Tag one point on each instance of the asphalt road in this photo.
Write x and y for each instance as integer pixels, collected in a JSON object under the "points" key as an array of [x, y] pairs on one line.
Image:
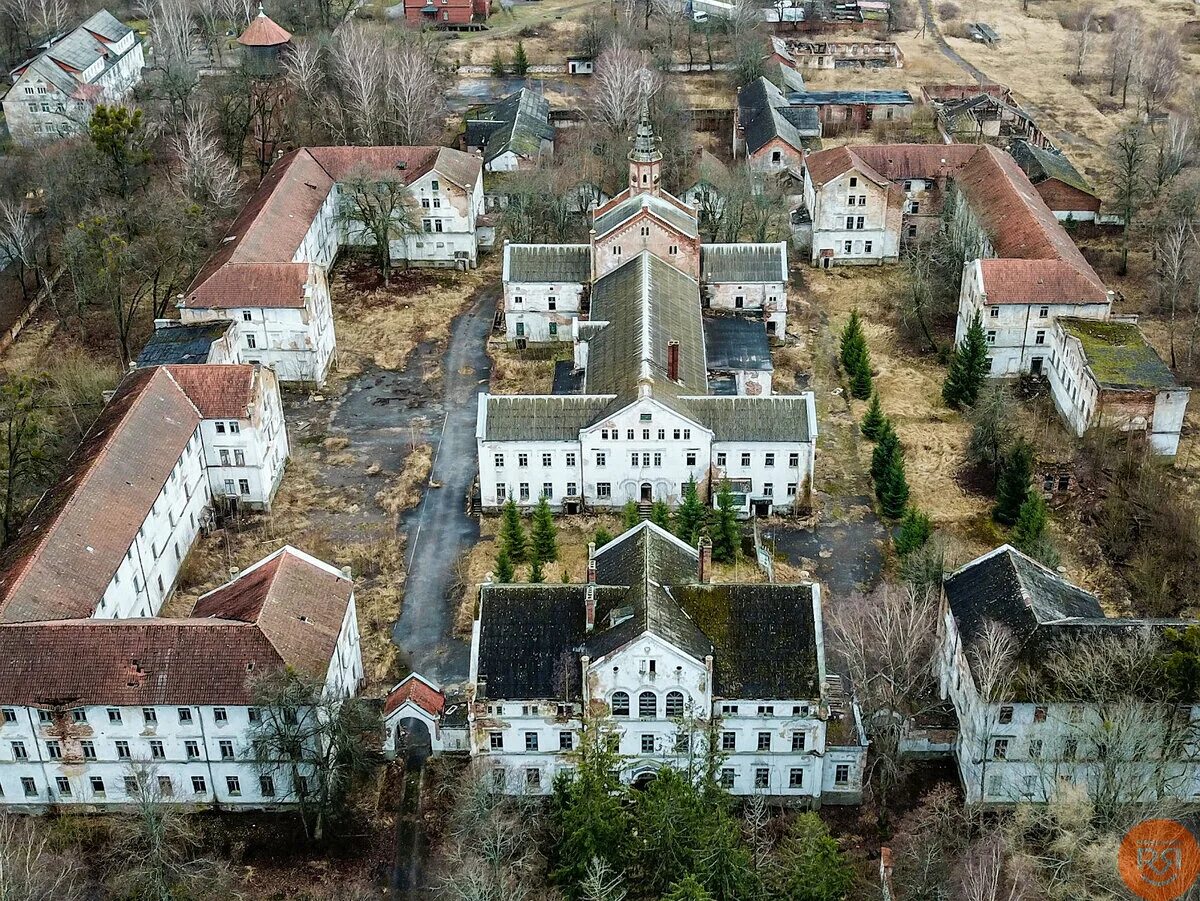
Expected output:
{"points": [[439, 530]]}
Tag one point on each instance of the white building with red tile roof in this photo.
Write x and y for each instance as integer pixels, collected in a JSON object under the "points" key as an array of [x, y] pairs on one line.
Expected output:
{"points": [[270, 274], [96, 712]]}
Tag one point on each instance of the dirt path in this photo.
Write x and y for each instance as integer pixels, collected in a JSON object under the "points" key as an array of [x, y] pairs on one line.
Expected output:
{"points": [[408, 882], [439, 531]]}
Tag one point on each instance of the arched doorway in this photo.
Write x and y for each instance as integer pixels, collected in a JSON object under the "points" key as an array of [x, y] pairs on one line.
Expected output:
{"points": [[413, 740], [647, 492], [643, 779]]}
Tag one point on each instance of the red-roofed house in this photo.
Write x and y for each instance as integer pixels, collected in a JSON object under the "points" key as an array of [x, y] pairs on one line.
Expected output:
{"points": [[416, 717], [269, 276], [866, 201], [95, 708], [446, 13]]}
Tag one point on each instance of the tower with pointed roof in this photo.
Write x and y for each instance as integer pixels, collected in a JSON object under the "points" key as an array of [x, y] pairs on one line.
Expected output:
{"points": [[645, 159], [263, 43]]}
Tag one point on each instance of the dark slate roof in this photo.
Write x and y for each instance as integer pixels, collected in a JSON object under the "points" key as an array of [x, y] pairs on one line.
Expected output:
{"points": [[765, 114], [686, 223], [1118, 355], [736, 342], [820, 98], [764, 636], [647, 303], [520, 417], [528, 640], [181, 344], [1012, 589], [549, 263], [567, 379], [519, 122], [779, 417], [1040, 164], [743, 263]]}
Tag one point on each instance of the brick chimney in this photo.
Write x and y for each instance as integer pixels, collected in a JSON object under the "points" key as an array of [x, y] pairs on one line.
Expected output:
{"points": [[704, 573], [673, 360], [591, 572], [589, 603]]}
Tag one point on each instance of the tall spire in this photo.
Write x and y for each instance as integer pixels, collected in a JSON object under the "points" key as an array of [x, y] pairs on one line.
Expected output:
{"points": [[645, 144]]}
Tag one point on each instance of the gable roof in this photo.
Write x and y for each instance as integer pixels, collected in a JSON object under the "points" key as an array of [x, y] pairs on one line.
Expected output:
{"points": [[296, 601], [764, 114], [610, 217], [523, 417], [743, 263], [764, 638], [416, 688], [256, 262], [178, 343], [1041, 164], [218, 392], [63, 62], [77, 535], [646, 303], [518, 122]]}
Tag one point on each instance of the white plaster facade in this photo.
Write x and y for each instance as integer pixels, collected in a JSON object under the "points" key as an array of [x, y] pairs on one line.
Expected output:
{"points": [[852, 221], [540, 311], [245, 457]]}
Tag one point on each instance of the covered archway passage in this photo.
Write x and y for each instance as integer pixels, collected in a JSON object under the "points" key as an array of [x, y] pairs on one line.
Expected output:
{"points": [[413, 740], [644, 778]]}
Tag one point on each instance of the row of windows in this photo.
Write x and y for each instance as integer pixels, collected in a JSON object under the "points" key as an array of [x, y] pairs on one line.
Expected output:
{"points": [[672, 250], [238, 457], [853, 223], [523, 459], [853, 247], [647, 704], [650, 743], [79, 715], [994, 312], [166, 787], [54, 750], [523, 491], [762, 777], [630, 434], [1001, 748], [856, 200], [551, 301]]}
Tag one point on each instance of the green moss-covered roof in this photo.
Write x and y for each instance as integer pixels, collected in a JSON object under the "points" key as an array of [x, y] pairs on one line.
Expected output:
{"points": [[1118, 355]]}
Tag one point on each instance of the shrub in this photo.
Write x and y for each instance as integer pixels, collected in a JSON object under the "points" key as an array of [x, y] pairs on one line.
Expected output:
{"points": [[948, 11]]}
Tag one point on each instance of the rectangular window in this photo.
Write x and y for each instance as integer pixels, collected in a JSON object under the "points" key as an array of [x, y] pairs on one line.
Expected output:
{"points": [[799, 741], [572, 489], [131, 786], [496, 741], [251, 342], [29, 787], [79, 715], [571, 459], [647, 744], [1000, 749], [764, 741], [601, 458], [156, 750], [727, 776], [603, 490], [547, 460], [1043, 312], [1035, 749], [994, 312], [768, 489], [770, 459], [1039, 337], [796, 777], [10, 715], [991, 337], [89, 750], [523, 490], [762, 777], [531, 741], [690, 458], [658, 459], [63, 784], [114, 715], [849, 223], [628, 434], [853, 182], [633, 458], [226, 746], [199, 786], [54, 750], [533, 778], [233, 785], [18, 751], [97, 785], [1070, 748], [547, 490], [192, 748], [841, 774], [498, 459], [566, 741], [266, 786], [166, 787], [1006, 715], [745, 459], [185, 715], [728, 741], [220, 716], [552, 303], [867, 246], [122, 750]]}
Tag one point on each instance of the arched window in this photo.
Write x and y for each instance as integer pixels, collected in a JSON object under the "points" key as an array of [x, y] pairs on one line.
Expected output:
{"points": [[674, 703], [620, 703], [647, 704]]}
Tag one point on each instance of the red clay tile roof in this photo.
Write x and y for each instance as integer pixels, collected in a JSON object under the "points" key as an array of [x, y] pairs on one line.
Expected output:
{"points": [[254, 266], [132, 662], [263, 32], [218, 392], [1037, 281], [296, 601], [76, 536], [1035, 254], [417, 690]]}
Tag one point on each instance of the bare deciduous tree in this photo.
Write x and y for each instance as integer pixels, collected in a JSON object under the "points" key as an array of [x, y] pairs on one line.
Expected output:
{"points": [[30, 870], [1176, 261], [19, 240], [987, 874], [1124, 49], [304, 72], [358, 61], [1159, 69], [1081, 45], [173, 33], [601, 883], [205, 175], [414, 93], [621, 86], [377, 208], [1129, 153]]}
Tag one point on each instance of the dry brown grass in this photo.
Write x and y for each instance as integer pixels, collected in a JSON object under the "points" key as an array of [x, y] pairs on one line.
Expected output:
{"points": [[523, 372], [404, 492], [383, 325]]}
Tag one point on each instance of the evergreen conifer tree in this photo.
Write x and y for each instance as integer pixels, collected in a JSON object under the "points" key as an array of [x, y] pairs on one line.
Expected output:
{"points": [[969, 366], [537, 572], [504, 568], [602, 537], [1029, 535], [853, 344], [689, 888], [862, 384], [660, 515], [512, 533], [885, 445], [914, 532], [520, 63], [1013, 487], [892, 487], [543, 534], [499, 69], [811, 866], [873, 420], [631, 515], [689, 515], [726, 534]]}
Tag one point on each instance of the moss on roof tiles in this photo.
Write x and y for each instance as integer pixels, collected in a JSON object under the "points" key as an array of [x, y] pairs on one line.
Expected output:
{"points": [[1118, 355]]}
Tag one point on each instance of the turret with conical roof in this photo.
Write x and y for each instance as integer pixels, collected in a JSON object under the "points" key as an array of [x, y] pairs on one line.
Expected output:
{"points": [[645, 159], [263, 42]]}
